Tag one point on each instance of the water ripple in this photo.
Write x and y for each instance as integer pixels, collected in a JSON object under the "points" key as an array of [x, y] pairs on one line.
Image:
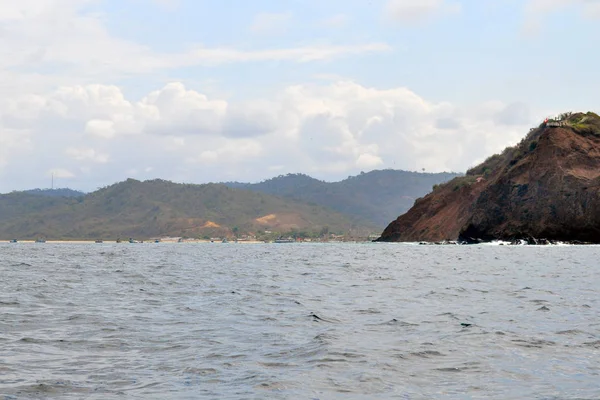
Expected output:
{"points": [[343, 321]]}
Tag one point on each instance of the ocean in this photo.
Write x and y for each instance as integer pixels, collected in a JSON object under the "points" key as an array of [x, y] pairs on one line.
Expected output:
{"points": [[298, 321]]}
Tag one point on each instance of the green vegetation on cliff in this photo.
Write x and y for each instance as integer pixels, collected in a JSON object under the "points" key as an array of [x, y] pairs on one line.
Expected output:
{"points": [[580, 123]]}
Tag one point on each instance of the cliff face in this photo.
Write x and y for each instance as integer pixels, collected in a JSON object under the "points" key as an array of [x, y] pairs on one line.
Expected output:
{"points": [[547, 187]]}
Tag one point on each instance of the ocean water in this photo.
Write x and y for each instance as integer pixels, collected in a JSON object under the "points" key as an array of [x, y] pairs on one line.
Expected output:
{"points": [[299, 321]]}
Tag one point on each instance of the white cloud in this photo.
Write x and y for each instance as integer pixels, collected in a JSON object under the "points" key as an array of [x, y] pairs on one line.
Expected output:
{"points": [[87, 154], [593, 10], [205, 56], [175, 110], [71, 39], [545, 6], [13, 143], [229, 152], [328, 130], [101, 128], [416, 11], [537, 10], [61, 173], [368, 161], [513, 114], [271, 23]]}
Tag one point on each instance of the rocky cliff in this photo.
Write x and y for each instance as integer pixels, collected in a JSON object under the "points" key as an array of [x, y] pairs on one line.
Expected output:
{"points": [[546, 187]]}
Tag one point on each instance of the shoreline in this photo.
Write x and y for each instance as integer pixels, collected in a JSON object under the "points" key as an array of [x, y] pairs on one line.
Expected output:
{"points": [[191, 241], [122, 242]]}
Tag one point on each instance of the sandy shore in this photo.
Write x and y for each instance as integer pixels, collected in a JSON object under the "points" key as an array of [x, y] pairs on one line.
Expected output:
{"points": [[127, 242]]}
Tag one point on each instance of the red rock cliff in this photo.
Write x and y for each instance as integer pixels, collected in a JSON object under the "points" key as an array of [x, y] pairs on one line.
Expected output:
{"points": [[547, 187]]}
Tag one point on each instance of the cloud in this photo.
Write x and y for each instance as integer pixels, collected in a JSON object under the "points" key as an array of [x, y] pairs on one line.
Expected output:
{"points": [[447, 123], [100, 128], [61, 173], [329, 130], [546, 6], [367, 160], [513, 114], [176, 110], [46, 43], [536, 10], [102, 111], [14, 143], [250, 120], [87, 154], [413, 12], [231, 151], [204, 56], [271, 23]]}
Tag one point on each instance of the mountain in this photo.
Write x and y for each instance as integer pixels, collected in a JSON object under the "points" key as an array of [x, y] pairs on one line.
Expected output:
{"points": [[161, 208], [546, 187], [376, 196]]}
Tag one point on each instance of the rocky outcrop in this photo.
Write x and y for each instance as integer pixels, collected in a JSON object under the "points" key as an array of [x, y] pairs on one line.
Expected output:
{"points": [[547, 188]]}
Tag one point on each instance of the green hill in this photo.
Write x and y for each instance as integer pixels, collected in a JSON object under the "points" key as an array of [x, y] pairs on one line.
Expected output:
{"points": [[377, 196], [63, 192], [161, 208]]}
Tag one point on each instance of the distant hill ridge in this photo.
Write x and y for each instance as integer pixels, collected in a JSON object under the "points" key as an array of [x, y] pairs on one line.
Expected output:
{"points": [[378, 196], [292, 202], [62, 192], [161, 208]]}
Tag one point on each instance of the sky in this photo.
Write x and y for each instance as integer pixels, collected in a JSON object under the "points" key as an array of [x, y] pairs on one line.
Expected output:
{"points": [[94, 92]]}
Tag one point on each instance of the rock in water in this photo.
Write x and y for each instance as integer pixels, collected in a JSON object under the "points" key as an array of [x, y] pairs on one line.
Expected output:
{"points": [[547, 188]]}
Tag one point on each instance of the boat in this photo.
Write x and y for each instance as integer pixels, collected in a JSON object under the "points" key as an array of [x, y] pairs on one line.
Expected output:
{"points": [[131, 240], [13, 240], [40, 241], [99, 241], [281, 240]]}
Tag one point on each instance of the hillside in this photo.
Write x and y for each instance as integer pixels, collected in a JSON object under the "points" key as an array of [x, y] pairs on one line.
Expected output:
{"points": [[63, 192], [377, 196], [546, 187], [16, 205], [161, 208]]}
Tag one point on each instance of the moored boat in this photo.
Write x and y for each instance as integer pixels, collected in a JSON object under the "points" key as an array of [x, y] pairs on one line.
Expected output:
{"points": [[281, 240]]}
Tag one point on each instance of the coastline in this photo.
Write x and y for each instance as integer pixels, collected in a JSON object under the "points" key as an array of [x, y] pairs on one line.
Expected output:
{"points": [[171, 241], [122, 242]]}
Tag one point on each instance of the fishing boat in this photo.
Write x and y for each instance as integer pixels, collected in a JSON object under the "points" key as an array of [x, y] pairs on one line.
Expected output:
{"points": [[282, 240]]}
